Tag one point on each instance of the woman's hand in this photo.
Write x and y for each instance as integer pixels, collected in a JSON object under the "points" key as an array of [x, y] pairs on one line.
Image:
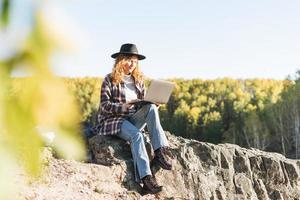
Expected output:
{"points": [[126, 107], [158, 105]]}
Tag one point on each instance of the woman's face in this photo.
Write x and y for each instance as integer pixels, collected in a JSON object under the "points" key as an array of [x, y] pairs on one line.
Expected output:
{"points": [[129, 64]]}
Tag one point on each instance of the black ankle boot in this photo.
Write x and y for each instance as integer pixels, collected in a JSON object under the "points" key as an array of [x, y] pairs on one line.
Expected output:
{"points": [[150, 185], [161, 159]]}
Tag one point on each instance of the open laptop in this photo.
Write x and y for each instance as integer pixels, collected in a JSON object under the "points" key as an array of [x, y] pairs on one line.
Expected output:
{"points": [[158, 92]]}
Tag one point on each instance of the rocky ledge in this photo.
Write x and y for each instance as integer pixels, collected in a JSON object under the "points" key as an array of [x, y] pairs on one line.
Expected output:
{"points": [[201, 171]]}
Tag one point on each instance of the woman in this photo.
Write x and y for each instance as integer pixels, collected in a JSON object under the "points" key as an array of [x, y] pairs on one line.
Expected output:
{"points": [[118, 116]]}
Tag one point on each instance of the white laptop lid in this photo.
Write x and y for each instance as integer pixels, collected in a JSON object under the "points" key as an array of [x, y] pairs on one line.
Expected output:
{"points": [[159, 91]]}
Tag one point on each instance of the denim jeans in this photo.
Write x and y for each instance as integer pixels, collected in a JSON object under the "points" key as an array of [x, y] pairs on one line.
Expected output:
{"points": [[131, 131]]}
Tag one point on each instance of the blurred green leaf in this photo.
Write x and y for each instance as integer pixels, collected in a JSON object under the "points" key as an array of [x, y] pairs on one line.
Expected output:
{"points": [[5, 12]]}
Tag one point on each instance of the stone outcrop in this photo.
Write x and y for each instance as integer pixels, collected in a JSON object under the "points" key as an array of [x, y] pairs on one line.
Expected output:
{"points": [[207, 171], [201, 171]]}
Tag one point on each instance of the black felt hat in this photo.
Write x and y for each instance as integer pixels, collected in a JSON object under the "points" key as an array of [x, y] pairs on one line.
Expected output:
{"points": [[129, 49]]}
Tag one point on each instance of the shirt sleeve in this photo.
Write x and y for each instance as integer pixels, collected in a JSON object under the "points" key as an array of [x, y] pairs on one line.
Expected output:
{"points": [[106, 104], [143, 90]]}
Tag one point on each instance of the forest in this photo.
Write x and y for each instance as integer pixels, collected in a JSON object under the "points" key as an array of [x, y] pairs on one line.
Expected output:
{"points": [[259, 113]]}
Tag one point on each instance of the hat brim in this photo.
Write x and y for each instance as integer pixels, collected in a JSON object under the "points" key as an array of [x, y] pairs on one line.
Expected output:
{"points": [[140, 57]]}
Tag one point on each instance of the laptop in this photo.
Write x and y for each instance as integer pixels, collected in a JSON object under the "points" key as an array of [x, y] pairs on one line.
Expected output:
{"points": [[158, 92]]}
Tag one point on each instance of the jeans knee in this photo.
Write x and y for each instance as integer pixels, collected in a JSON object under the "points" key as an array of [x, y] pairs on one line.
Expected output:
{"points": [[138, 136], [153, 111], [152, 108]]}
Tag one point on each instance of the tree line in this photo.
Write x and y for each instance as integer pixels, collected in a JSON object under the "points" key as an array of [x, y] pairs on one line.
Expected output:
{"points": [[259, 113]]}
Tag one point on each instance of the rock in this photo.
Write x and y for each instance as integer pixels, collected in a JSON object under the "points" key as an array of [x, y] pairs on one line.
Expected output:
{"points": [[207, 171], [201, 171]]}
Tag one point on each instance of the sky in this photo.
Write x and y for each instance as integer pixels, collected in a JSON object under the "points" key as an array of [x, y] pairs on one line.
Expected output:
{"points": [[183, 39]]}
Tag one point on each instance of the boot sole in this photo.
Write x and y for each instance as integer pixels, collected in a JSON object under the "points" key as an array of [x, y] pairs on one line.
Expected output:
{"points": [[147, 191]]}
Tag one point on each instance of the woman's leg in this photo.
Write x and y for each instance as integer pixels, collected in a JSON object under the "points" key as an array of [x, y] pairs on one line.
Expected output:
{"points": [[131, 133], [149, 114]]}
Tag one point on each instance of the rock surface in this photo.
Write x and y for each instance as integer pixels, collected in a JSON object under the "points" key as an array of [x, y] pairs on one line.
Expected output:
{"points": [[201, 171]]}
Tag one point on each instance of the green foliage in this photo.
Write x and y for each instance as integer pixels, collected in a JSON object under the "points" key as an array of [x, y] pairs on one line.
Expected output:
{"points": [[4, 12], [283, 121], [222, 110], [87, 94], [251, 113], [26, 104], [213, 107]]}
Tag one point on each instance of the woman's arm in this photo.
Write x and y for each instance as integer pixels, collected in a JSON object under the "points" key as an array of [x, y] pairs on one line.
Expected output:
{"points": [[143, 90], [106, 104]]}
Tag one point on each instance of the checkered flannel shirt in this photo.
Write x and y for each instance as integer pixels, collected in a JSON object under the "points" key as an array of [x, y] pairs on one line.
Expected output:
{"points": [[110, 113]]}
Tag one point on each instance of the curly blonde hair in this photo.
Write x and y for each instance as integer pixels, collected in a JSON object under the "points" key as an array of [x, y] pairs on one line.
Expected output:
{"points": [[118, 72]]}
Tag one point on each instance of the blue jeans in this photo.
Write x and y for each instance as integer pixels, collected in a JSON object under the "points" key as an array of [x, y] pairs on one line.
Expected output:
{"points": [[131, 131]]}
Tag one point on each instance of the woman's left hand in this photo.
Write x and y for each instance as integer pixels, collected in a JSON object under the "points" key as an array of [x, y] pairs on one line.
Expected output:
{"points": [[158, 105]]}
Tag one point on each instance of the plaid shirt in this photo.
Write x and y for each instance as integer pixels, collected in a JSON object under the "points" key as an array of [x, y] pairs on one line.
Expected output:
{"points": [[110, 113]]}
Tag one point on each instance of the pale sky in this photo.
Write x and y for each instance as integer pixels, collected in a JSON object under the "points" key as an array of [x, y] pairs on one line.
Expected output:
{"points": [[188, 39]]}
